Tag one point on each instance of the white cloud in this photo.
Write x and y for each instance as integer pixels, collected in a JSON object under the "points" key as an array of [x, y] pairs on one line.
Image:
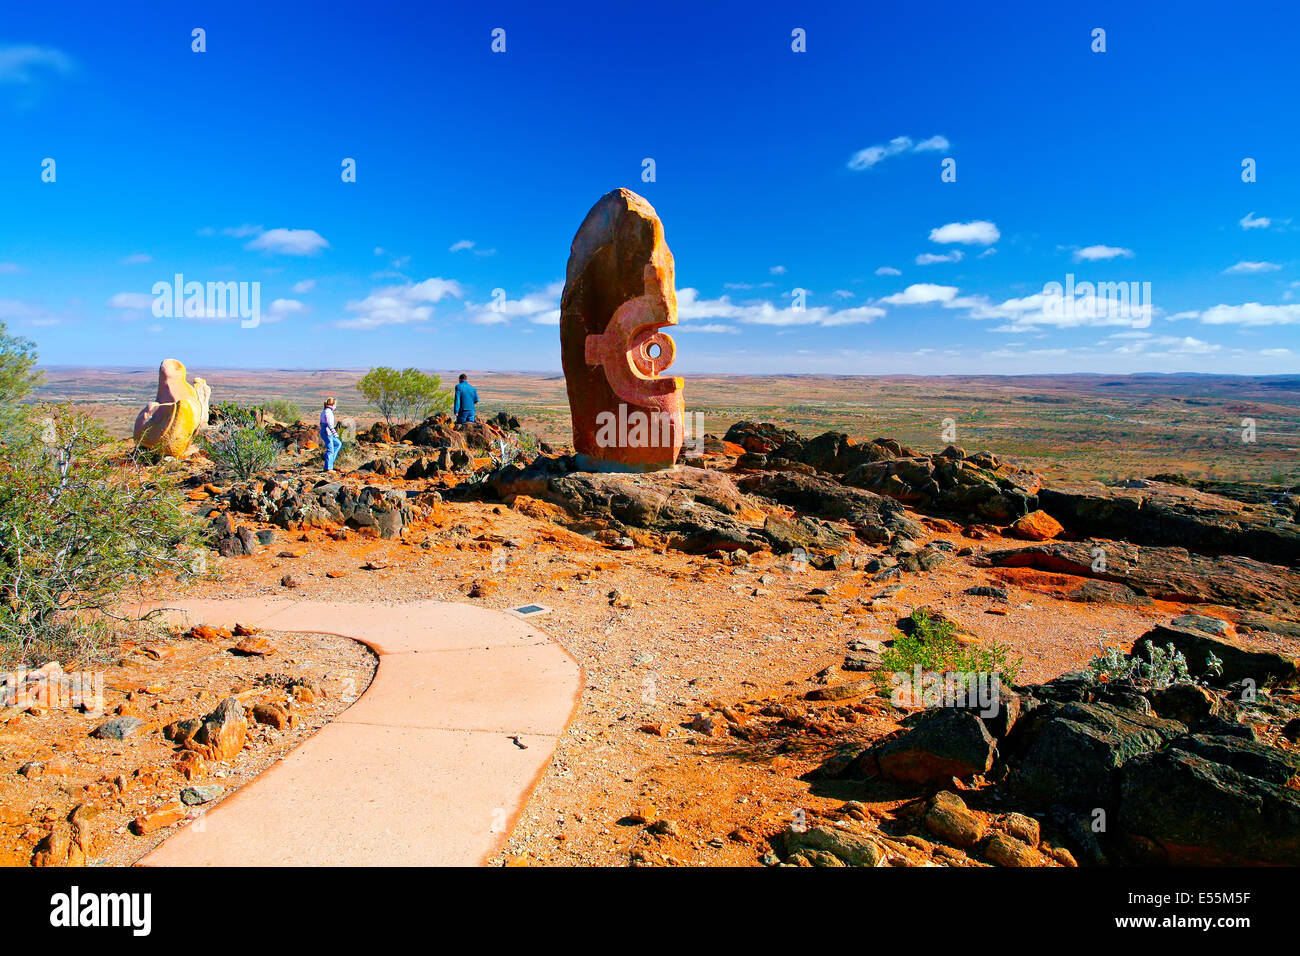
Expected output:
{"points": [[289, 242], [11, 269], [243, 232], [922, 293], [11, 310], [872, 155], [976, 233], [930, 258], [1251, 313], [1099, 253], [540, 308], [23, 65], [471, 246], [715, 329], [399, 305], [888, 271], [136, 258], [132, 300], [283, 309], [777, 270], [1032, 312], [1248, 268], [1249, 221], [842, 294], [306, 285], [690, 307]]}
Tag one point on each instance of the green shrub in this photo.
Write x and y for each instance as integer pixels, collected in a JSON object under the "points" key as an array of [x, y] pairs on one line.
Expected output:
{"points": [[77, 529], [241, 449], [232, 413], [932, 646], [283, 410], [408, 395]]}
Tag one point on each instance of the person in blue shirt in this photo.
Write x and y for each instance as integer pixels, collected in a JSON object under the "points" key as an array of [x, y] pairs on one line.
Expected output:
{"points": [[466, 399]]}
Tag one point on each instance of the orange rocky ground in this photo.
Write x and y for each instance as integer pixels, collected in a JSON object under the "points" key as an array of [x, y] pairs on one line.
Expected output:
{"points": [[68, 797], [662, 636]]}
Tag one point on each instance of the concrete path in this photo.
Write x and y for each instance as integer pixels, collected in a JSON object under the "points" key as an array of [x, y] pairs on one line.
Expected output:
{"points": [[421, 770]]}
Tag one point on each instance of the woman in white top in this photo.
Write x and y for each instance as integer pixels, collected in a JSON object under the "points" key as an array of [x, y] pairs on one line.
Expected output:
{"points": [[329, 434]]}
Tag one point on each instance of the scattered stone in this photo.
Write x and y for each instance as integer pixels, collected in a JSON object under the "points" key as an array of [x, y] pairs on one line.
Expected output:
{"points": [[849, 849], [947, 817], [118, 728], [195, 796], [1036, 526]]}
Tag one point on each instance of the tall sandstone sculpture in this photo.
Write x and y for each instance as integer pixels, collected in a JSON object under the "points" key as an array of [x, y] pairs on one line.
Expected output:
{"points": [[619, 292], [167, 425]]}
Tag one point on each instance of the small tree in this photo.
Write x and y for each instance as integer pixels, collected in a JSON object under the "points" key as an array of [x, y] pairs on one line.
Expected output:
{"points": [[18, 376], [77, 528], [404, 396], [241, 448]]}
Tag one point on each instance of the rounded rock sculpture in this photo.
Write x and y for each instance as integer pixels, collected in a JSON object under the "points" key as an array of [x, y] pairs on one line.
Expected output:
{"points": [[167, 425], [619, 292]]}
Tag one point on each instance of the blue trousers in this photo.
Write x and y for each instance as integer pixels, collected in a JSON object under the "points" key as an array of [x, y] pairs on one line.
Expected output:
{"points": [[464, 415], [331, 442]]}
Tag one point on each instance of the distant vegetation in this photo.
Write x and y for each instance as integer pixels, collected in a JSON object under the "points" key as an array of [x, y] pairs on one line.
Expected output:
{"points": [[283, 410], [408, 395]]}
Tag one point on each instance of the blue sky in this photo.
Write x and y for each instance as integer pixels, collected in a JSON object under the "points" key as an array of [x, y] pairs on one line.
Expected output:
{"points": [[775, 171]]}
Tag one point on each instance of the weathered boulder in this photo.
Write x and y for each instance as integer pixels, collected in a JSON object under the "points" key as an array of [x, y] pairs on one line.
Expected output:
{"points": [[695, 509], [1164, 514], [940, 744], [1197, 810], [1171, 574], [874, 518], [851, 848], [223, 732], [946, 816], [1072, 752]]}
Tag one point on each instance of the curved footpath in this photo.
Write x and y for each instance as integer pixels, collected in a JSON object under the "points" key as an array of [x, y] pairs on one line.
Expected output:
{"points": [[421, 770]]}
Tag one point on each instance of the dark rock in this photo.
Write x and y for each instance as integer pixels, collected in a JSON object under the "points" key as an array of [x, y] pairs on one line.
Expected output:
{"points": [[943, 743], [1165, 573], [874, 518], [118, 728], [1073, 751], [787, 534], [1245, 756], [1170, 515], [1188, 704], [1197, 811]]}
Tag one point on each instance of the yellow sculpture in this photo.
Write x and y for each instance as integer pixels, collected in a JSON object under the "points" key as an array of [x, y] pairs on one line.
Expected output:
{"points": [[168, 424]]}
